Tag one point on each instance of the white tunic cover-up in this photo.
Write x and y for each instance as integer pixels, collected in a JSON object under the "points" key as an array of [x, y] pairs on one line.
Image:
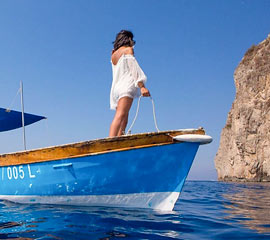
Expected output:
{"points": [[126, 76]]}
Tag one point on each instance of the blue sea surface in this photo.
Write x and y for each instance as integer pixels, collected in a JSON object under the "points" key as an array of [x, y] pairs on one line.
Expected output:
{"points": [[205, 210]]}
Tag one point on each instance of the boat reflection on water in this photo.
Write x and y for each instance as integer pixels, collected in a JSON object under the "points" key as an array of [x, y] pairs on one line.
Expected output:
{"points": [[250, 205], [10, 225]]}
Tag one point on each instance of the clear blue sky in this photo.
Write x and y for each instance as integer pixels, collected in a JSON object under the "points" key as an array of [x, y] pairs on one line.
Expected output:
{"points": [[188, 49]]}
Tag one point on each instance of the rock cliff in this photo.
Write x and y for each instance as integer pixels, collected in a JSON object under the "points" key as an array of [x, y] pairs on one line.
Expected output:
{"points": [[244, 151]]}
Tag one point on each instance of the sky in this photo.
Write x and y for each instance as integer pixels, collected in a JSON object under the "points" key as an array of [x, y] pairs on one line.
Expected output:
{"points": [[61, 49]]}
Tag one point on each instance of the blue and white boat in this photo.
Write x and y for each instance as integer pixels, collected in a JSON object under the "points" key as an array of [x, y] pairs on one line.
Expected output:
{"points": [[146, 170], [142, 170]]}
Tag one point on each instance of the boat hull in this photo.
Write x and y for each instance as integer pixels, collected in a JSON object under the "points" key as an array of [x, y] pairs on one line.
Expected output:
{"points": [[148, 177]]}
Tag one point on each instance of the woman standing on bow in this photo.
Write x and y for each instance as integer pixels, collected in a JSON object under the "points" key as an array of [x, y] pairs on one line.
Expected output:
{"points": [[128, 81]]}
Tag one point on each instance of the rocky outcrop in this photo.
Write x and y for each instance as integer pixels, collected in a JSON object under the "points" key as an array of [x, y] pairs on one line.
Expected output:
{"points": [[244, 151]]}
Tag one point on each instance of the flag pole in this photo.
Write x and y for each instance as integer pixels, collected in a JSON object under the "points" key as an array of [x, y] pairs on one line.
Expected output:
{"points": [[22, 106]]}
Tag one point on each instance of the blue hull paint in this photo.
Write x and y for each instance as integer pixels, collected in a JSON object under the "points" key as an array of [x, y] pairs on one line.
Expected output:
{"points": [[138, 171]]}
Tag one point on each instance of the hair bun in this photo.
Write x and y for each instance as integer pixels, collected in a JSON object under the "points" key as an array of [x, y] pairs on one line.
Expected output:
{"points": [[123, 38]]}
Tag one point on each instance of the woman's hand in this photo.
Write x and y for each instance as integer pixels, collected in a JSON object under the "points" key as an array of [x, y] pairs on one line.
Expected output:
{"points": [[145, 92]]}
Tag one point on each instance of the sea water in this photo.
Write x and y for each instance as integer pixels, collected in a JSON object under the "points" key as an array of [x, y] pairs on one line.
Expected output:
{"points": [[205, 210]]}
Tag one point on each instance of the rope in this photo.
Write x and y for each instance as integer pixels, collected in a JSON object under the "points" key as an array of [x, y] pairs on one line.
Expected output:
{"points": [[12, 103], [154, 114], [137, 111]]}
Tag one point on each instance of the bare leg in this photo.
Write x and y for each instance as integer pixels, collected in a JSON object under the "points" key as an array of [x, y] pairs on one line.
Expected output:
{"points": [[120, 120], [123, 126]]}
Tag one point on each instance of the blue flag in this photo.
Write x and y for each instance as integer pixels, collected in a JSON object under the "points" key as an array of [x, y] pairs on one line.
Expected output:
{"points": [[10, 119]]}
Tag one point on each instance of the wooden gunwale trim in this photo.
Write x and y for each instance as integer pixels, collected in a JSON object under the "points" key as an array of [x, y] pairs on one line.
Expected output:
{"points": [[94, 147], [94, 154]]}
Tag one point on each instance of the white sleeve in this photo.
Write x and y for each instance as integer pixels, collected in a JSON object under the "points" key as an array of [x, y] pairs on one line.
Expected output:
{"points": [[135, 71]]}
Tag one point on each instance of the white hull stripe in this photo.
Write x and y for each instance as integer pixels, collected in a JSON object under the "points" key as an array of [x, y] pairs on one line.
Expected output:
{"points": [[159, 201]]}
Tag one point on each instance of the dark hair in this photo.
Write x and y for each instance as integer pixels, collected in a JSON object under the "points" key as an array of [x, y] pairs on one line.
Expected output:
{"points": [[123, 38]]}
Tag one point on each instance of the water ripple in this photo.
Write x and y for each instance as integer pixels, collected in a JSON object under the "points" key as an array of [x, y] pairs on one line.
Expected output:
{"points": [[206, 210]]}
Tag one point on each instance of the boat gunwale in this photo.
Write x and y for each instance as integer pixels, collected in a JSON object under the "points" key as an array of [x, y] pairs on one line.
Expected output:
{"points": [[128, 141]]}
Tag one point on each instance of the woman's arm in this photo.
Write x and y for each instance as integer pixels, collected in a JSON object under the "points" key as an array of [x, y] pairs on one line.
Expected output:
{"points": [[144, 91]]}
